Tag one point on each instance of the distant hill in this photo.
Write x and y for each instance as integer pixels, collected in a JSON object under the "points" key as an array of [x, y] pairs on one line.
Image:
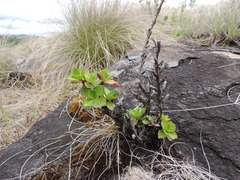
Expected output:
{"points": [[15, 39]]}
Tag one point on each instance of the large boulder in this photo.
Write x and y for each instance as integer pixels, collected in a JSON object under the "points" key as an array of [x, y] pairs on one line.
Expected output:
{"points": [[205, 95], [202, 90]]}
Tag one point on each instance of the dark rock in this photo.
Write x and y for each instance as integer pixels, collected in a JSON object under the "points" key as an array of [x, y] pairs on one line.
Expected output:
{"points": [[202, 84], [198, 104], [18, 79], [191, 86], [25, 157]]}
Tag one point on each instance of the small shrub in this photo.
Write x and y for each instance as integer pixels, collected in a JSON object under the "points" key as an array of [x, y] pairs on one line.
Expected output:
{"points": [[95, 94], [138, 115]]}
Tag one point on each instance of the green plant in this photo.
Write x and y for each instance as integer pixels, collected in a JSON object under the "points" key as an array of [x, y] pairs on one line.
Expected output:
{"points": [[207, 24], [138, 115], [95, 94], [168, 128], [183, 24]]}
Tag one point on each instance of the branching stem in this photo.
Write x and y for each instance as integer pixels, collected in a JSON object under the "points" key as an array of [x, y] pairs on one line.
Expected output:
{"points": [[149, 33]]}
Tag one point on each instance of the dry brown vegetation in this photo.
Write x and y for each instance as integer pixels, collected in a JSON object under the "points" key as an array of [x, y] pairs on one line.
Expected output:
{"points": [[50, 60]]}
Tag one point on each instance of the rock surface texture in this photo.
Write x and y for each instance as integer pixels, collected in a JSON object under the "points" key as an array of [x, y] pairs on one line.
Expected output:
{"points": [[202, 101], [22, 159]]}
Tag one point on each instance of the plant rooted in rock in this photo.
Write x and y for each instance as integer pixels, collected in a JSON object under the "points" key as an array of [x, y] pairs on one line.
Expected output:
{"points": [[141, 120], [95, 94], [168, 128]]}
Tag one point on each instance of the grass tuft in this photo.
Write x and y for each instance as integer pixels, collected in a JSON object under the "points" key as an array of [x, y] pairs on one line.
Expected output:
{"points": [[207, 24], [98, 32]]}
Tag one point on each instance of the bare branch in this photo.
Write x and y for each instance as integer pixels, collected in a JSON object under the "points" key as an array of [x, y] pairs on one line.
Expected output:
{"points": [[149, 33]]}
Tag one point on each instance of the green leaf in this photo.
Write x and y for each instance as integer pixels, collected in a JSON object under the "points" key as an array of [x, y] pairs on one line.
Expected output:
{"points": [[99, 102], [105, 75], [87, 77], [164, 124], [88, 85], [145, 121], [171, 127], [141, 111], [76, 72], [91, 77], [99, 90], [173, 135], [97, 82], [152, 119], [137, 113], [104, 72], [165, 117], [110, 105], [93, 94], [168, 126], [106, 91], [88, 103], [133, 114], [161, 134], [109, 77], [72, 78], [84, 91], [135, 122], [112, 95]]}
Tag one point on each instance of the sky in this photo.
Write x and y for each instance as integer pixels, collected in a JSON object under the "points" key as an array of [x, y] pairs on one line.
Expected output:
{"points": [[35, 16], [28, 16]]}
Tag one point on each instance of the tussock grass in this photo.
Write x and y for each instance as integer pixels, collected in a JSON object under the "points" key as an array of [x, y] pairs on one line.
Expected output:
{"points": [[223, 22], [208, 25], [99, 32]]}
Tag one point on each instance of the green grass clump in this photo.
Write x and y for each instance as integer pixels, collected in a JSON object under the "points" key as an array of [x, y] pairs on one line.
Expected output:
{"points": [[183, 24], [97, 32], [210, 25], [224, 21]]}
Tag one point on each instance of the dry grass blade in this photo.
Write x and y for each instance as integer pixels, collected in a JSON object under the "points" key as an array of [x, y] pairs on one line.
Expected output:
{"points": [[97, 40]]}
